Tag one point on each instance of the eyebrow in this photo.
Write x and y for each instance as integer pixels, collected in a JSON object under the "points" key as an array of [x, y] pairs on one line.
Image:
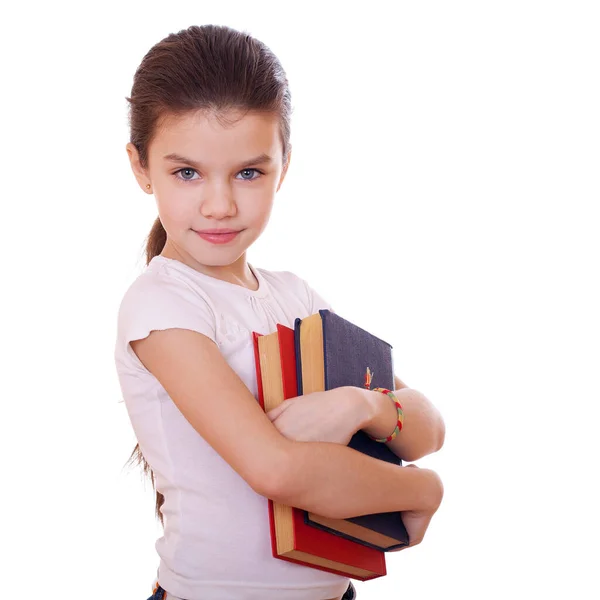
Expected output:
{"points": [[258, 160]]}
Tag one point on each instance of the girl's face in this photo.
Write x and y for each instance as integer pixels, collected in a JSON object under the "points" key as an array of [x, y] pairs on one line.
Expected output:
{"points": [[211, 176]]}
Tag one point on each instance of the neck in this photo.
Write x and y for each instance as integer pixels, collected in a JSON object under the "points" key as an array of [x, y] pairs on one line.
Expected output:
{"points": [[238, 272]]}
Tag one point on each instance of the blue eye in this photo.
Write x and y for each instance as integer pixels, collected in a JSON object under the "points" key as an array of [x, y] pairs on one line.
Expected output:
{"points": [[184, 169], [250, 171]]}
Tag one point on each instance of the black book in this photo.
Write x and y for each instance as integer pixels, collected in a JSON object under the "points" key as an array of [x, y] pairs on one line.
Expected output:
{"points": [[332, 352]]}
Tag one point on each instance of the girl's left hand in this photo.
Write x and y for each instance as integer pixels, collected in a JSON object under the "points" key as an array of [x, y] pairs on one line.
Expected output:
{"points": [[331, 416]]}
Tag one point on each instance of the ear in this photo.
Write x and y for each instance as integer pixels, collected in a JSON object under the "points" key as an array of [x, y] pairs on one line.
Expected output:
{"points": [[139, 172], [285, 169]]}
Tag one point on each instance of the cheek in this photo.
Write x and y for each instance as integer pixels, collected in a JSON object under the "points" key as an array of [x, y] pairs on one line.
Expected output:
{"points": [[173, 205], [258, 207]]}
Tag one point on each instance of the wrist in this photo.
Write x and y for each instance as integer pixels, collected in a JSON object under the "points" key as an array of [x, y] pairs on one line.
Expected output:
{"points": [[383, 415], [364, 406]]}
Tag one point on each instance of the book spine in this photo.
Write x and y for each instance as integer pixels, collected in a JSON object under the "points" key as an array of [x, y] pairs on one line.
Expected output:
{"points": [[297, 324], [324, 312], [259, 386]]}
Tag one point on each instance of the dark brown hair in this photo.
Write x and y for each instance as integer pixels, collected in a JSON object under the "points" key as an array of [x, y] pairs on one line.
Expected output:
{"points": [[209, 67]]}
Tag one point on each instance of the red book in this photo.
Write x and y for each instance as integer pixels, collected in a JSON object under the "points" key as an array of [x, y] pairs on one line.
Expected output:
{"points": [[292, 539]]}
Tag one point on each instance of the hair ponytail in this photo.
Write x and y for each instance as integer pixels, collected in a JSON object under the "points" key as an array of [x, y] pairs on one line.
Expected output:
{"points": [[157, 239]]}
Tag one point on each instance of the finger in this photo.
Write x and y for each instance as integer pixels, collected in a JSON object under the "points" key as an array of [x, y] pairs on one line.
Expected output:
{"points": [[274, 413]]}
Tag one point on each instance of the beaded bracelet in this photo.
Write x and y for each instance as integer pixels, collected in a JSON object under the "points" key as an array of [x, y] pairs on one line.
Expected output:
{"points": [[400, 416]]}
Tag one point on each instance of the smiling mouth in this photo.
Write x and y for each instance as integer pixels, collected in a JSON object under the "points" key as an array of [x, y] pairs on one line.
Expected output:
{"points": [[219, 237]]}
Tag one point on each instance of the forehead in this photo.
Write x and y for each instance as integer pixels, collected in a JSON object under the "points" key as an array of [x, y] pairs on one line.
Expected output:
{"points": [[229, 136]]}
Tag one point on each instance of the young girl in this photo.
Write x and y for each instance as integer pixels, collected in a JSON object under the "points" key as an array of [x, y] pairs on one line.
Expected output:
{"points": [[210, 139]]}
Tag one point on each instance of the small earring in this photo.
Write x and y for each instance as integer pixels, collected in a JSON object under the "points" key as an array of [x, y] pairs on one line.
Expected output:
{"points": [[148, 186]]}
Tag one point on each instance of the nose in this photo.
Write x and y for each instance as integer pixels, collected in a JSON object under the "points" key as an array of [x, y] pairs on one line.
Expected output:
{"points": [[217, 201]]}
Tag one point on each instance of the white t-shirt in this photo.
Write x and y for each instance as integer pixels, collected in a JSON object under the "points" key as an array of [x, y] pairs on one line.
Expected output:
{"points": [[216, 543]]}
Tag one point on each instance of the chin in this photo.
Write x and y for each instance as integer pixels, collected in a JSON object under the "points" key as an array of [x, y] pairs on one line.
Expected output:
{"points": [[218, 259]]}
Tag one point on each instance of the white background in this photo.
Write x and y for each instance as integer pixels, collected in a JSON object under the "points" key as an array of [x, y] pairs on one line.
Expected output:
{"points": [[443, 193]]}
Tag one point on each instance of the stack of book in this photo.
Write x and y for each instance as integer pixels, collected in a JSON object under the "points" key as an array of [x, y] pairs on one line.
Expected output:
{"points": [[323, 352]]}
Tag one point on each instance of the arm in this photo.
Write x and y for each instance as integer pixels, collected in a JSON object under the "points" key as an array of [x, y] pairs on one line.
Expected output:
{"points": [[330, 479], [423, 431]]}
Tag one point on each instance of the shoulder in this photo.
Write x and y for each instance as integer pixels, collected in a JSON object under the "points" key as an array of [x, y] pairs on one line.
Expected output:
{"points": [[162, 288], [289, 282], [151, 294], [286, 284], [283, 280], [162, 299]]}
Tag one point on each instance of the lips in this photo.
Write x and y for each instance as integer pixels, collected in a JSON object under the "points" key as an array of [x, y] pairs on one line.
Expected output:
{"points": [[218, 231], [218, 236]]}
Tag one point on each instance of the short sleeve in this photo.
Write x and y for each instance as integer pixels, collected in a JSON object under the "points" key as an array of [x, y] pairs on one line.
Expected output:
{"points": [[316, 302], [155, 302]]}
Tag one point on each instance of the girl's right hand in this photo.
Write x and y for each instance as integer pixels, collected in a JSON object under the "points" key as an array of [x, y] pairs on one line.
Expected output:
{"points": [[417, 521]]}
